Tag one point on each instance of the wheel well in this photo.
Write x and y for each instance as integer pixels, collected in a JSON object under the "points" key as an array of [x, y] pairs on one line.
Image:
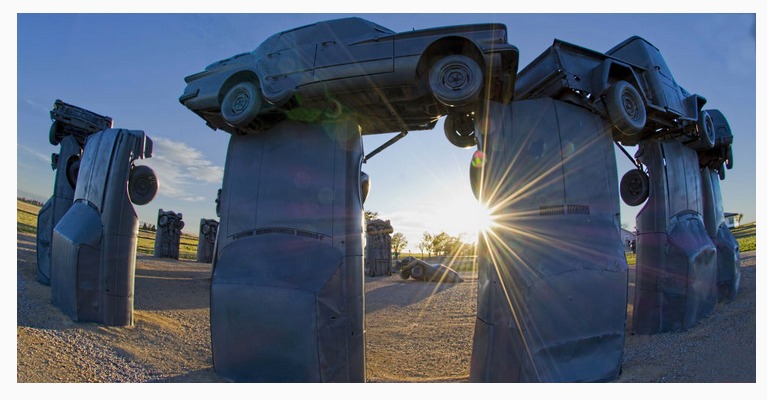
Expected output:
{"points": [[236, 78], [447, 46], [620, 72]]}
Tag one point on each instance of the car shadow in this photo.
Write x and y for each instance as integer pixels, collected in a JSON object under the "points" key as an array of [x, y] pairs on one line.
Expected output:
{"points": [[402, 293]]}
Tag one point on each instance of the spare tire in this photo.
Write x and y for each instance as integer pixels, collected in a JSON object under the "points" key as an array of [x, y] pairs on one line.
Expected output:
{"points": [[142, 185], [635, 187]]}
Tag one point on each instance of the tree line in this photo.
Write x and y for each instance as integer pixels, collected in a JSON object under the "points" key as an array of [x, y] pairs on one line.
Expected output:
{"points": [[437, 244]]}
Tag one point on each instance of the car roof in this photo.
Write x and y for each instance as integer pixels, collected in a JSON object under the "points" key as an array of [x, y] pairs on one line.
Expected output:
{"points": [[334, 29]]}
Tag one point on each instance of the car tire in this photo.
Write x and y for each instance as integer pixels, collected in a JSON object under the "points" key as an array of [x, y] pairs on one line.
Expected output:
{"points": [[56, 133], [460, 131], [456, 80], [404, 274], [73, 169], [241, 104], [635, 187], [417, 272], [706, 132], [626, 110], [205, 229], [142, 185]]}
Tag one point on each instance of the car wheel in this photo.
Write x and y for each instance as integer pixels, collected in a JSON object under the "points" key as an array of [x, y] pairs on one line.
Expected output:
{"points": [[241, 104], [56, 133], [404, 274], [626, 109], [142, 185], [706, 132], [205, 229], [456, 80], [163, 221], [73, 169], [417, 272], [635, 187], [459, 130], [728, 157]]}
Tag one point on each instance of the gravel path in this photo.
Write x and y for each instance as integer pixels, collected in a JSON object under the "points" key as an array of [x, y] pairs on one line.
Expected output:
{"points": [[415, 332]]}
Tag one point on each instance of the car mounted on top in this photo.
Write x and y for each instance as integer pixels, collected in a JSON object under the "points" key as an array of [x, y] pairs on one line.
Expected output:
{"points": [[630, 85], [398, 81]]}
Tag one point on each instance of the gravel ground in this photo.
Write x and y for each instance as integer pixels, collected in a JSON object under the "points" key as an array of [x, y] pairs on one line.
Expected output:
{"points": [[415, 332]]}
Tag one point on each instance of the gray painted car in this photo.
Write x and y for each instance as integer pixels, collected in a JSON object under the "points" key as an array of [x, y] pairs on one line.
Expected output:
{"points": [[394, 81], [411, 267], [630, 85]]}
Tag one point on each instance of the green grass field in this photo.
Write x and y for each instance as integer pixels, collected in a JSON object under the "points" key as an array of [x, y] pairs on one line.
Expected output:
{"points": [[26, 222], [746, 236]]}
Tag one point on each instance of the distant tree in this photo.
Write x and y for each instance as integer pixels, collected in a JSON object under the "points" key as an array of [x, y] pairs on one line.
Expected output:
{"points": [[398, 242], [427, 243], [370, 215], [439, 243]]}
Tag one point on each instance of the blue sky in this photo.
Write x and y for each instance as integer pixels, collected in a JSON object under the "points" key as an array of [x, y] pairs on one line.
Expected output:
{"points": [[131, 67]]}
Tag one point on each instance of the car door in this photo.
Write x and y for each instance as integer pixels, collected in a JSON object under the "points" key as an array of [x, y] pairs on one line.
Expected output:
{"points": [[351, 51]]}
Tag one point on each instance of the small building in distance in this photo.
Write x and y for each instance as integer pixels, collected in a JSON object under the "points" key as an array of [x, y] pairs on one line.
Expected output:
{"points": [[732, 219], [627, 237]]}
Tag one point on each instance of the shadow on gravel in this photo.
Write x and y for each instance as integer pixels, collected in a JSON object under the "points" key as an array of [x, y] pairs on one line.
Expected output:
{"points": [[402, 293]]}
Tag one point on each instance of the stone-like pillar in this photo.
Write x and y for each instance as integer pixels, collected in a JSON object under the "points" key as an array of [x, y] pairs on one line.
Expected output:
{"points": [[287, 299], [94, 244], [168, 235], [71, 126], [552, 284], [378, 248], [676, 259], [207, 240]]}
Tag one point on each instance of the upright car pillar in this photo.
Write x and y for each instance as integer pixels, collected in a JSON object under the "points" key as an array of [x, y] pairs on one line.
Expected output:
{"points": [[676, 260], [287, 300], [70, 128], [94, 244], [552, 280]]}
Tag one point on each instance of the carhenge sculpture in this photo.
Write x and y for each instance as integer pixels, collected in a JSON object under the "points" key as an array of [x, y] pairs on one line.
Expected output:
{"points": [[94, 244], [286, 293], [71, 127], [168, 236], [207, 240], [378, 247]]}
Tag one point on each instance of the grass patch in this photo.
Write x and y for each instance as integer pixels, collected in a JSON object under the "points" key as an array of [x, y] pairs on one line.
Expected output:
{"points": [[746, 236], [26, 217]]}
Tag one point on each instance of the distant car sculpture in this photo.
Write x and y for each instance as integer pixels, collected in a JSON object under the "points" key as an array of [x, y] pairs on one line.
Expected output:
{"points": [[393, 81], [168, 236], [411, 267], [70, 128], [206, 240], [378, 247], [94, 244]]}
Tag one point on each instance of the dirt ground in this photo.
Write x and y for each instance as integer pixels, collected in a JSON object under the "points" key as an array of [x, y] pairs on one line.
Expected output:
{"points": [[415, 332]]}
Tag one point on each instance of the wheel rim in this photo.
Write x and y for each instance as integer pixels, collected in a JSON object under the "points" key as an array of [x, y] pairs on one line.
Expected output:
{"points": [[630, 105], [455, 77], [240, 102]]}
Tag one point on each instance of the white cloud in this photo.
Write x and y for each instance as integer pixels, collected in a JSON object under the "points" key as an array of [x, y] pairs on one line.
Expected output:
{"points": [[181, 169]]}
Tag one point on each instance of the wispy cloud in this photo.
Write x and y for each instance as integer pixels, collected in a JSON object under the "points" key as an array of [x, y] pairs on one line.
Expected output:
{"points": [[181, 168], [24, 153]]}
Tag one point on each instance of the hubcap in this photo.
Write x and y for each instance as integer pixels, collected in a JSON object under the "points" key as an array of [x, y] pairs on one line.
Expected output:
{"points": [[455, 77], [240, 102]]}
